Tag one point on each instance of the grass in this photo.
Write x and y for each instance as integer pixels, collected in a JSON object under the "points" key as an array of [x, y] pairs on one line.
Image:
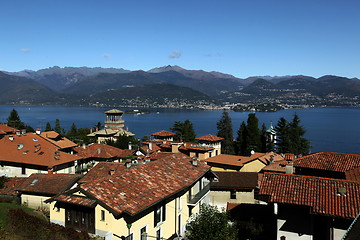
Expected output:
{"points": [[22, 223]]}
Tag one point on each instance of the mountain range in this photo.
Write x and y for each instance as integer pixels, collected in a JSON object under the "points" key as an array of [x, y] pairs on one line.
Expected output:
{"points": [[170, 86]]}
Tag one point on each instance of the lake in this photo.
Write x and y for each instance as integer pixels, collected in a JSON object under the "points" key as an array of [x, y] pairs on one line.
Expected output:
{"points": [[328, 129]]}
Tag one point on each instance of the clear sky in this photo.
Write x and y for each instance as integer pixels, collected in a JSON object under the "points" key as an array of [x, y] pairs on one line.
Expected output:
{"points": [[239, 37]]}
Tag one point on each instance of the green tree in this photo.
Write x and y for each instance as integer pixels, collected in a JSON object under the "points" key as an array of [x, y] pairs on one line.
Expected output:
{"points": [[14, 120], [211, 224], [72, 133], [242, 140], [224, 126], [254, 142], [48, 127], [282, 136], [298, 144], [184, 131], [58, 128], [263, 139]]}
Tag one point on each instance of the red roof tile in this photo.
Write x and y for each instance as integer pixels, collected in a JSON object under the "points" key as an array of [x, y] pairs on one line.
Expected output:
{"points": [[4, 129], [235, 180], [77, 200], [102, 151], [163, 133], [209, 138], [57, 139], [330, 161], [11, 185], [141, 186], [32, 149], [321, 194], [48, 184]]}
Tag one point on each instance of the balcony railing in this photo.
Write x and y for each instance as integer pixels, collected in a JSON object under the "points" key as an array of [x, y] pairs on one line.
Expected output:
{"points": [[194, 199]]}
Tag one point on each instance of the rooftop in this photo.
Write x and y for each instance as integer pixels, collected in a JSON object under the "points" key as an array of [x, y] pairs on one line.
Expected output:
{"points": [[330, 197], [330, 161], [49, 184], [132, 190], [235, 180], [4, 129], [57, 139], [11, 184], [32, 149], [102, 151], [209, 138], [163, 133]]}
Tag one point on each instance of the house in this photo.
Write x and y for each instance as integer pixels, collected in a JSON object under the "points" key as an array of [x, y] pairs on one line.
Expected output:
{"points": [[38, 187], [253, 163], [329, 164], [205, 147], [113, 127], [233, 187], [117, 201], [97, 152], [55, 138], [24, 153], [308, 207], [8, 191]]}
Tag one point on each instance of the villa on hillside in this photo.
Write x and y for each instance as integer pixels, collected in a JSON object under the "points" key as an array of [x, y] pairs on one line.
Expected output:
{"points": [[113, 128]]}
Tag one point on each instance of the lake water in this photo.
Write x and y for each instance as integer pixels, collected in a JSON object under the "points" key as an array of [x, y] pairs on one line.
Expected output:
{"points": [[328, 129]]}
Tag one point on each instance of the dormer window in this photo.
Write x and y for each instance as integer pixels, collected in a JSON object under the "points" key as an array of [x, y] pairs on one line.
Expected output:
{"points": [[34, 181], [20, 146]]}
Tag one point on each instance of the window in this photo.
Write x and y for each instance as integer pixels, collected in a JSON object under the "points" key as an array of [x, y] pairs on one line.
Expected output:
{"points": [[129, 237], [102, 218], [233, 194], [159, 215], [143, 234], [23, 170], [158, 234]]}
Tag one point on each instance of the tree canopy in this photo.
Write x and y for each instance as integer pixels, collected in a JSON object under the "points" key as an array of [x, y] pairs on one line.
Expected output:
{"points": [[14, 121], [224, 126], [211, 224], [289, 137], [184, 131]]}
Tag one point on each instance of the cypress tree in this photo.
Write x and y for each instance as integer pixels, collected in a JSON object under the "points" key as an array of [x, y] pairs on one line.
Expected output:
{"points": [[242, 140], [48, 127], [263, 139], [282, 136], [14, 120], [184, 131], [298, 144], [253, 133], [224, 126]]}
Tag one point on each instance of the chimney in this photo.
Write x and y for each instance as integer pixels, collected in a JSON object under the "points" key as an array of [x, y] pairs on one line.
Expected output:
{"points": [[289, 168], [23, 132], [175, 147], [83, 146], [112, 171], [271, 159], [18, 133], [194, 162], [150, 146], [91, 130], [128, 163], [38, 131], [130, 147], [127, 129], [50, 171], [11, 138], [98, 150]]}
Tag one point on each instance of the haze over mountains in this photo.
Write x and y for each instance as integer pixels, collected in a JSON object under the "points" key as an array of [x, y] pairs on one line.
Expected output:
{"points": [[170, 86]]}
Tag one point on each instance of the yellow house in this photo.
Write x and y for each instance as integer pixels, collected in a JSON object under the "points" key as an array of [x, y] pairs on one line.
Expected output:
{"points": [[253, 163], [144, 201], [39, 187]]}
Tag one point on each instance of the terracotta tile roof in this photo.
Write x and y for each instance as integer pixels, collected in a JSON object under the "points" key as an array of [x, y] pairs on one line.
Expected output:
{"points": [[168, 156], [353, 175], [195, 147], [330, 161], [163, 133], [209, 138], [146, 150], [101, 169], [77, 200], [4, 129], [279, 166], [32, 149], [48, 184], [57, 139], [289, 156], [134, 189], [102, 151], [11, 185], [230, 206], [323, 195], [233, 160], [235, 180]]}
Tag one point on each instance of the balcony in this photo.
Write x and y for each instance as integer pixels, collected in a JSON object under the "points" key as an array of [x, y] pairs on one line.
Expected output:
{"points": [[194, 199]]}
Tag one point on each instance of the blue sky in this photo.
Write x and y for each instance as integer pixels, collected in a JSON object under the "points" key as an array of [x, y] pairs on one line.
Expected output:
{"points": [[240, 37]]}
